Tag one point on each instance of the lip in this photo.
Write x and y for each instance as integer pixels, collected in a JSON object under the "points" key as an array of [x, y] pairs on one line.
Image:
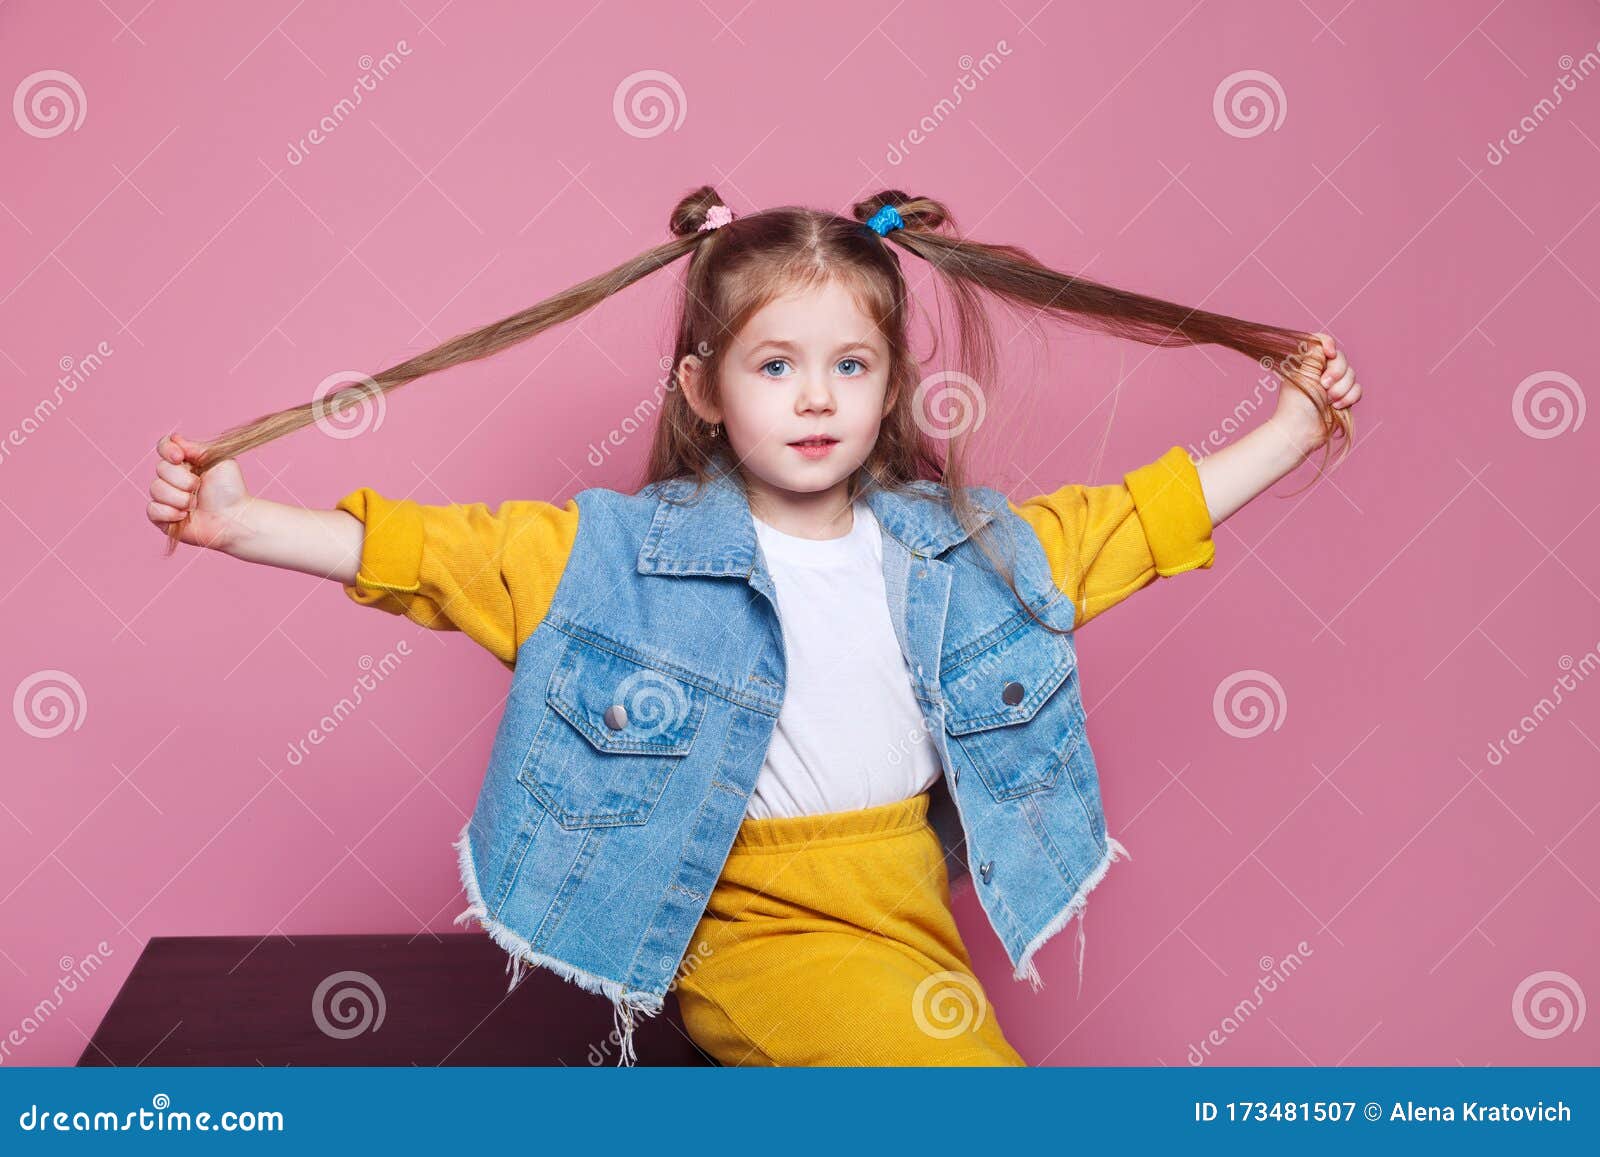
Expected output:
{"points": [[815, 449]]}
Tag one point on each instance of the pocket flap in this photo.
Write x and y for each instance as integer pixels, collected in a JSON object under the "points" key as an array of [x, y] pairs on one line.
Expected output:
{"points": [[1029, 665], [622, 706]]}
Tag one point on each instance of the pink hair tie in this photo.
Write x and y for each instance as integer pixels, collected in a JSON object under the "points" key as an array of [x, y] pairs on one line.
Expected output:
{"points": [[718, 216]]}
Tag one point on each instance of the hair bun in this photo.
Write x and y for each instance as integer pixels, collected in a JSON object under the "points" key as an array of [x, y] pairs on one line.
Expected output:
{"points": [[917, 212], [690, 213]]}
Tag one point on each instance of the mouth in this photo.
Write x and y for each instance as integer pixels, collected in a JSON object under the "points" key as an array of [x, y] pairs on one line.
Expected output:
{"points": [[816, 446]]}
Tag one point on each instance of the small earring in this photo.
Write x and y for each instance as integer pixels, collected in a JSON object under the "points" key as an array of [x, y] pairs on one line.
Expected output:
{"points": [[716, 431]]}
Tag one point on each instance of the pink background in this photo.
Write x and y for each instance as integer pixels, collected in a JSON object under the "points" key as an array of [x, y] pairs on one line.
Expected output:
{"points": [[1408, 610]]}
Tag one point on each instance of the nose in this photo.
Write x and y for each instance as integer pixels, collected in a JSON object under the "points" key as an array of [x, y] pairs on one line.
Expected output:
{"points": [[816, 396]]}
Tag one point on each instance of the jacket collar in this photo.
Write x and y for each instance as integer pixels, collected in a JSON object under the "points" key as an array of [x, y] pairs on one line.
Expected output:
{"points": [[714, 534]]}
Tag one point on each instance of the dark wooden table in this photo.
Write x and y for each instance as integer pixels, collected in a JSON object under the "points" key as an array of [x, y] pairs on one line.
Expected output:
{"points": [[421, 999]]}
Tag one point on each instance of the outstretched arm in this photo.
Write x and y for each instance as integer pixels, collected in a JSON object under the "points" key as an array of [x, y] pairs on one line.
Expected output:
{"points": [[218, 512], [1104, 543], [462, 567]]}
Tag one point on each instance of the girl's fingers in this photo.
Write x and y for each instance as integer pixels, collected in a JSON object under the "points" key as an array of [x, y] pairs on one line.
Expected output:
{"points": [[1334, 369], [178, 474], [1341, 384], [165, 492], [1351, 398], [161, 512], [169, 449]]}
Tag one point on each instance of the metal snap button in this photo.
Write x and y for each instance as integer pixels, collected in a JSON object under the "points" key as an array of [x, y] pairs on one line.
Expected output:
{"points": [[1012, 694], [616, 717], [986, 869]]}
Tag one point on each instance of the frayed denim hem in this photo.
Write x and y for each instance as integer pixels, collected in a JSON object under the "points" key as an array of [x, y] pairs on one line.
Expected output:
{"points": [[1075, 907], [626, 1006]]}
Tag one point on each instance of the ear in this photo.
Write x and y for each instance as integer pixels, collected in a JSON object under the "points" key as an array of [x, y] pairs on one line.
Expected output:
{"points": [[889, 400], [691, 378]]}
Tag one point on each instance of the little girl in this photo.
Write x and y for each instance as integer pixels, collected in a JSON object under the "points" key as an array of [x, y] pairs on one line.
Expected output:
{"points": [[767, 708]]}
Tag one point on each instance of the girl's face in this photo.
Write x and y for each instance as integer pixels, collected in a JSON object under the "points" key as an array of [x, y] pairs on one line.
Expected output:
{"points": [[809, 364]]}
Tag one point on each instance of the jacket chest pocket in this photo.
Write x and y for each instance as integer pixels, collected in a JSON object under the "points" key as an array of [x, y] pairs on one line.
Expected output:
{"points": [[1014, 712], [613, 732]]}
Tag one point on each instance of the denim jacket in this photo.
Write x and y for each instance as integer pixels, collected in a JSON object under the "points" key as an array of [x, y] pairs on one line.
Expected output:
{"points": [[641, 707]]}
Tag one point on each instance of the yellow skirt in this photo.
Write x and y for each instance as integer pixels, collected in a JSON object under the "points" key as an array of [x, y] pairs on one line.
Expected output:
{"points": [[829, 940]]}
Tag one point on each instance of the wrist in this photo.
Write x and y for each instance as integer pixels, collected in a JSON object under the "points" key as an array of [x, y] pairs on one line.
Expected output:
{"points": [[1298, 436], [239, 525]]}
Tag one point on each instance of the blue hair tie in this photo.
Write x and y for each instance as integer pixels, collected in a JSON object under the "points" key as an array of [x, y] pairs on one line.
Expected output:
{"points": [[885, 219]]}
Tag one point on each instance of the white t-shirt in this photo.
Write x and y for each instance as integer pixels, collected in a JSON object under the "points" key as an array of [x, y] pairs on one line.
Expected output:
{"points": [[850, 734]]}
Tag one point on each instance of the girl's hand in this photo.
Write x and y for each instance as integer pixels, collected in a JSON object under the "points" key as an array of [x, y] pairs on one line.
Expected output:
{"points": [[208, 504], [1296, 413]]}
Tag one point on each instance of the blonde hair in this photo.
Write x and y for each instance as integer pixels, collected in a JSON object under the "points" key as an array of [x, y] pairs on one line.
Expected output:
{"points": [[737, 268]]}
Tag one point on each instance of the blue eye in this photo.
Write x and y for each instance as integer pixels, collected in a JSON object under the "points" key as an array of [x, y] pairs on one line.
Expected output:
{"points": [[861, 367]]}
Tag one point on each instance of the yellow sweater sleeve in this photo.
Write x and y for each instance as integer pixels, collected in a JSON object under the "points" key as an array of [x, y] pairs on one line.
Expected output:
{"points": [[461, 567], [1105, 542]]}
